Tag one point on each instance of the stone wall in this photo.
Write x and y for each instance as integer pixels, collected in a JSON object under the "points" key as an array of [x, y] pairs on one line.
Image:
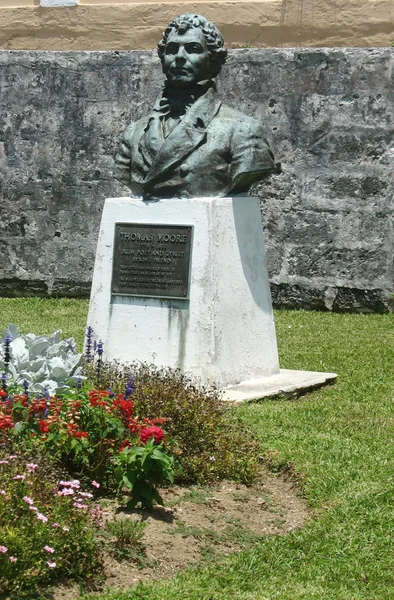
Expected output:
{"points": [[328, 216], [137, 25]]}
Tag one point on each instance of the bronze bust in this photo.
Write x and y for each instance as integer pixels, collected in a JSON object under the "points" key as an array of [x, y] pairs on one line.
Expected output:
{"points": [[191, 144]]}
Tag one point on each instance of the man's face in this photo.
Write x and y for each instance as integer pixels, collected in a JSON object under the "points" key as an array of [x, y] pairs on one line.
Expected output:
{"points": [[186, 58]]}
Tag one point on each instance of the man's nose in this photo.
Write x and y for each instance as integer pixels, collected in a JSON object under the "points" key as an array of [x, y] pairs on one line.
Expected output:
{"points": [[181, 54]]}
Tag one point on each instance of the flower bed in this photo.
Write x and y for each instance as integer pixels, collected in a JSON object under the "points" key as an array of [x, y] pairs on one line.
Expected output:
{"points": [[115, 427]]}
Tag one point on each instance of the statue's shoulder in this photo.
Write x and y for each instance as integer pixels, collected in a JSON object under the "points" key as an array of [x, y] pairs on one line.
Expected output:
{"points": [[240, 120], [135, 127]]}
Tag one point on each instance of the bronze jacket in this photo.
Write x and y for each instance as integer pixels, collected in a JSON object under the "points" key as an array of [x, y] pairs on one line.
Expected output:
{"points": [[213, 151]]}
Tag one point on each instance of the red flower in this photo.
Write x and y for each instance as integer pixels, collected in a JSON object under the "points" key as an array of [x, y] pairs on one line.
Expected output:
{"points": [[6, 422], [72, 428], [22, 398], [125, 444], [80, 434], [3, 394], [43, 426], [134, 426], [96, 397], [125, 407], [38, 406], [159, 420], [156, 432]]}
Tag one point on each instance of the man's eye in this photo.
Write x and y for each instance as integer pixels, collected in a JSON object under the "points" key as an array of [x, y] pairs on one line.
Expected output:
{"points": [[194, 48], [171, 49]]}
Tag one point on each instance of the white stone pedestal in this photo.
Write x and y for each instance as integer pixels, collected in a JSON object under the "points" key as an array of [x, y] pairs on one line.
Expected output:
{"points": [[224, 333]]}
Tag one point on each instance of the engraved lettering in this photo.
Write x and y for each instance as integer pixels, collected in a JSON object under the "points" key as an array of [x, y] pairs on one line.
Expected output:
{"points": [[147, 261]]}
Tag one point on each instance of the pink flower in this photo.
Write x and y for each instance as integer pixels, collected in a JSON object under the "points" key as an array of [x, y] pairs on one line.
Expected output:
{"points": [[85, 494], [96, 512], [49, 549], [2, 492], [72, 484], [50, 564], [3, 462], [31, 467], [3, 549], [21, 477], [33, 508], [42, 518], [12, 456], [13, 559], [28, 500], [66, 492], [79, 505], [55, 525], [153, 431], [96, 485]]}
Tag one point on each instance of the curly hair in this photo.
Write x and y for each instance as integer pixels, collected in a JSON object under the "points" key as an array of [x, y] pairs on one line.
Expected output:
{"points": [[214, 39]]}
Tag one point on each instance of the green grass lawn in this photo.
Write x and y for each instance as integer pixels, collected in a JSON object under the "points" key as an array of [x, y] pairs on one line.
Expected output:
{"points": [[340, 442]]}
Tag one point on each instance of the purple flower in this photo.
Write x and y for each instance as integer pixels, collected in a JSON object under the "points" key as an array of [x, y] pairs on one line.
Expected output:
{"points": [[129, 388], [4, 382], [7, 355], [78, 383], [88, 345], [25, 384], [99, 364]]}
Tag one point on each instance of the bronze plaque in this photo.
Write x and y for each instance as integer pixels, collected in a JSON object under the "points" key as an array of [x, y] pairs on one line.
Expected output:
{"points": [[152, 260]]}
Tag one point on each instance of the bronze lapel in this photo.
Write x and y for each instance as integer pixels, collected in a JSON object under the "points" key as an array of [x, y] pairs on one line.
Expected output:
{"points": [[185, 137]]}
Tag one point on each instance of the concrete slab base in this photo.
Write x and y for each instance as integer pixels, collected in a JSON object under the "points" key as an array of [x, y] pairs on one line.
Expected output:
{"points": [[286, 382]]}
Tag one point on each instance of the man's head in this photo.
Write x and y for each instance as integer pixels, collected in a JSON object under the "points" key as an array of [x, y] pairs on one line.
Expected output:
{"points": [[191, 50]]}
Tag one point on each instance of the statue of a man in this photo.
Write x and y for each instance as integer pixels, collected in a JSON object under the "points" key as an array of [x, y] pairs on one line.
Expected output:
{"points": [[192, 145]]}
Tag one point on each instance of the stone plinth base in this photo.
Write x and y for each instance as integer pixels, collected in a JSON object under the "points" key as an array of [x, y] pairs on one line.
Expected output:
{"points": [[224, 332], [286, 382]]}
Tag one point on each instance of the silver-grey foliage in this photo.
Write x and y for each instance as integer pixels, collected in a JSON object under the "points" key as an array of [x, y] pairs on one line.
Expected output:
{"points": [[45, 362]]}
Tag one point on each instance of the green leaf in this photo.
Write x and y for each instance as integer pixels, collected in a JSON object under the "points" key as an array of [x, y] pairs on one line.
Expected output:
{"points": [[118, 472], [19, 427], [131, 475], [127, 482]]}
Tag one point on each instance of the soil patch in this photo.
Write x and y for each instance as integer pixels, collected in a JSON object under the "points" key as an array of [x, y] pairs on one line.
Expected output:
{"points": [[199, 525]]}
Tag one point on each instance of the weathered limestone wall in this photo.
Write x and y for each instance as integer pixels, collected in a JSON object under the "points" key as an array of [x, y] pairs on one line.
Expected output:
{"points": [[136, 25], [328, 216]]}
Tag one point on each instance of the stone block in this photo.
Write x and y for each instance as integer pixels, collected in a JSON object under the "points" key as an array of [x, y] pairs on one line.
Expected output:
{"points": [[224, 332]]}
